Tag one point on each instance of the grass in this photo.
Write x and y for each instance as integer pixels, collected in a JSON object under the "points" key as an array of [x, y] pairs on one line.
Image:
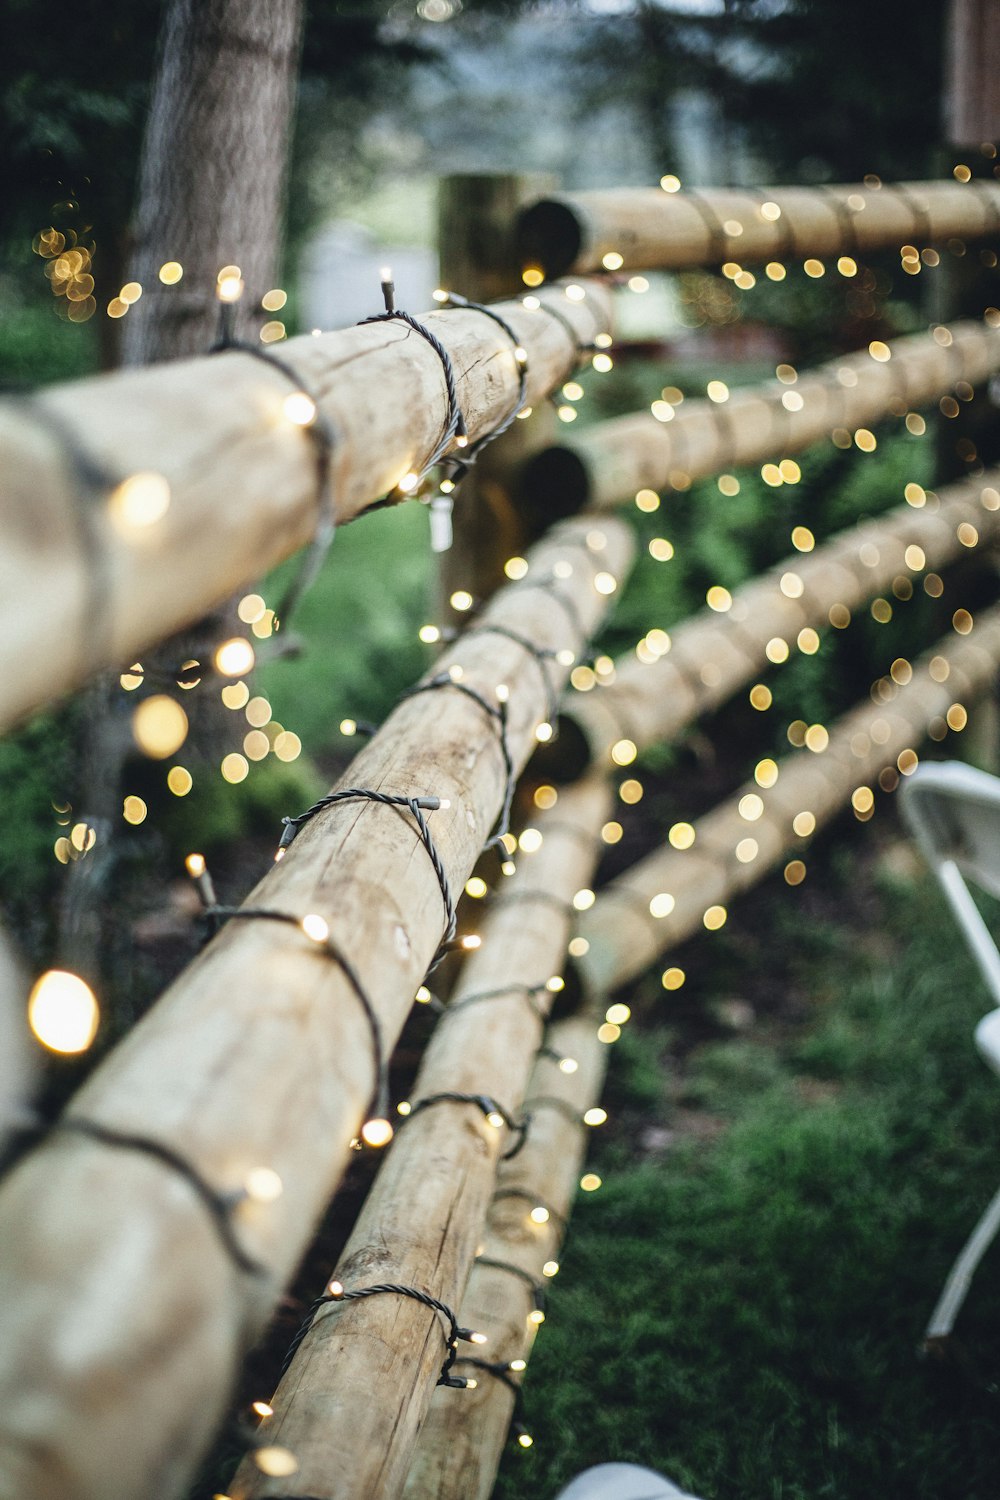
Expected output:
{"points": [[741, 1308]]}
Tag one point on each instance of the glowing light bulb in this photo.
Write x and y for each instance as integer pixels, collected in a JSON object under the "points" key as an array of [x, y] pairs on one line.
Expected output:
{"points": [[159, 726], [139, 501], [262, 1408], [263, 1185], [234, 658], [376, 1132], [539, 1215], [315, 928], [63, 1011], [275, 1462], [595, 1116], [478, 1338], [300, 409]]}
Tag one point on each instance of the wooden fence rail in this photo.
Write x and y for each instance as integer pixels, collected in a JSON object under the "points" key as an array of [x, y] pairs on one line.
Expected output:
{"points": [[126, 1314], [351, 1404], [712, 655], [737, 843], [462, 1440], [607, 464], [224, 478], [645, 229]]}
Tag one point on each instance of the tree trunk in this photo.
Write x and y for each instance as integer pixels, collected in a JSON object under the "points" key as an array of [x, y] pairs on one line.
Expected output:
{"points": [[211, 186]]}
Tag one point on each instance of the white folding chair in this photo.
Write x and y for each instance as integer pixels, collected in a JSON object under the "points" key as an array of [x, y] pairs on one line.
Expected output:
{"points": [[953, 812], [621, 1482]]}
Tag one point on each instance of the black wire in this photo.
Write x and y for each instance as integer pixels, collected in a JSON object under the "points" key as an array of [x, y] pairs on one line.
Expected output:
{"points": [[472, 453], [220, 1205], [452, 1336], [561, 1106], [537, 1288], [323, 436], [94, 481], [415, 805], [486, 1106], [455, 424], [547, 898], [535, 1202], [541, 654], [497, 713], [499, 1372], [379, 1107], [528, 991]]}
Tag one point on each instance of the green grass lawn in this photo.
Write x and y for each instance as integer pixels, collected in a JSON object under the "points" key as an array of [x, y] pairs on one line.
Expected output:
{"points": [[741, 1304]]}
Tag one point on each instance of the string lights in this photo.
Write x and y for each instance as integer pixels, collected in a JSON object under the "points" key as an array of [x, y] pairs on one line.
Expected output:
{"points": [[337, 1293]]}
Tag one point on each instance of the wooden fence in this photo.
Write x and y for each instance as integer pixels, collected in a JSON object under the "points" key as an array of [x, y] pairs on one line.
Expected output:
{"points": [[145, 1241]]}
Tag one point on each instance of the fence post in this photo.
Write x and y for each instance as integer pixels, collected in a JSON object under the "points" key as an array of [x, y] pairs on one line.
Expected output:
{"points": [[476, 217]]}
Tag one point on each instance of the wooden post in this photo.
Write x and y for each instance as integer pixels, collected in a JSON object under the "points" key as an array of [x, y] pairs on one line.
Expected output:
{"points": [[465, 1432], [972, 90], [352, 1402], [125, 1315], [711, 655], [644, 229], [92, 580], [740, 841], [476, 216], [607, 464]]}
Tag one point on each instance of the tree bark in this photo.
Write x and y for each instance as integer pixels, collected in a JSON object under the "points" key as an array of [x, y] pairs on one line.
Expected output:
{"points": [[212, 179]]}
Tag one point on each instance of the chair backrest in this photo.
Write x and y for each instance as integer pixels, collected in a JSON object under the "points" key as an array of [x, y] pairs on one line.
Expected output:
{"points": [[953, 812], [621, 1482]]}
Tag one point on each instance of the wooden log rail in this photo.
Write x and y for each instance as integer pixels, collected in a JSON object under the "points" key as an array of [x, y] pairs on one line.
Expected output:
{"points": [[133, 503], [712, 655], [742, 839], [464, 1435], [649, 229], [126, 1311], [606, 465], [353, 1399]]}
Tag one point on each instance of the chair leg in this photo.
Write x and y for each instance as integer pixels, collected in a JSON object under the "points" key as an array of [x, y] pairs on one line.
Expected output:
{"points": [[949, 1304]]}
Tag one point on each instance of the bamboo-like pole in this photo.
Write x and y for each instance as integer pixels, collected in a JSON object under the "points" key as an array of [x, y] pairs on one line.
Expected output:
{"points": [[742, 839], [643, 228], [351, 1404], [712, 655], [605, 465], [124, 1315], [464, 1435], [92, 577]]}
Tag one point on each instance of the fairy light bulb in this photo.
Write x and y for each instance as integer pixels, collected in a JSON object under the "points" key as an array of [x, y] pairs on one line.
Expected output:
{"points": [[63, 1012], [478, 1338], [229, 284], [376, 1133], [300, 409], [263, 1185], [539, 1215], [234, 658], [315, 927]]}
